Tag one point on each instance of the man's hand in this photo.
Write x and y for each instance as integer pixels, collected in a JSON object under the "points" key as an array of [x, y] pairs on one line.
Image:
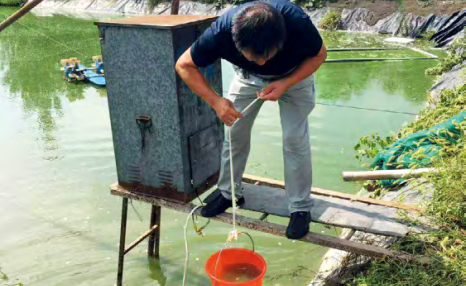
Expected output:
{"points": [[226, 111], [274, 90]]}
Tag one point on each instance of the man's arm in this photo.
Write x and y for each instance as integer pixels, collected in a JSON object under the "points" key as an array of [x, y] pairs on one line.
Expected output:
{"points": [[191, 75], [309, 66]]}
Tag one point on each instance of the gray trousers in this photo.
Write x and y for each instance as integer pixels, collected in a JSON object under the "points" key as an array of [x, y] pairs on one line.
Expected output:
{"points": [[295, 106]]}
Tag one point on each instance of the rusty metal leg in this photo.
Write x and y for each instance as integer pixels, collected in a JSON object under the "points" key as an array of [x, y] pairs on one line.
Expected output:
{"points": [[154, 238], [121, 253]]}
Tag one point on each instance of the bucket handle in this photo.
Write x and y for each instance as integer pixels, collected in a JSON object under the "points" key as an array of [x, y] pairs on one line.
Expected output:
{"points": [[252, 241], [218, 258]]}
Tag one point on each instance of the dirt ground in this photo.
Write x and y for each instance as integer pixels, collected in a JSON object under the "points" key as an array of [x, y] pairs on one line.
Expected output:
{"points": [[385, 8]]}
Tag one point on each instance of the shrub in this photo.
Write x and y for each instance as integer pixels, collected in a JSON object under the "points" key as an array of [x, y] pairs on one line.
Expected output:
{"points": [[331, 21], [455, 55]]}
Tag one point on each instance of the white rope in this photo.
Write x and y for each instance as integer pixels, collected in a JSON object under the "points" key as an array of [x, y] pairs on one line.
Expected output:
{"points": [[233, 195], [186, 246], [234, 232]]}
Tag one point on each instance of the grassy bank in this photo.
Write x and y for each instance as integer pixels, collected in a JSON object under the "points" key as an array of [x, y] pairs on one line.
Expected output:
{"points": [[447, 246]]}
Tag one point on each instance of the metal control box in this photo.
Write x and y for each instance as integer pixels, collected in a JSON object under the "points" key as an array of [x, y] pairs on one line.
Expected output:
{"points": [[167, 140]]}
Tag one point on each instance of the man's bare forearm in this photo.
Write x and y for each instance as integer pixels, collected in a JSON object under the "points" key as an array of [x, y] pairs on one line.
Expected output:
{"points": [[307, 68], [194, 79]]}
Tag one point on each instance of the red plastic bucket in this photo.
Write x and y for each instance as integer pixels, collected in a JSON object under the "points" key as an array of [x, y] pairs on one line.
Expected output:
{"points": [[231, 259]]}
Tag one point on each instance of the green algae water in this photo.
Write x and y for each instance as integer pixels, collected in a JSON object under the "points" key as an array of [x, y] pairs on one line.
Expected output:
{"points": [[59, 224]]}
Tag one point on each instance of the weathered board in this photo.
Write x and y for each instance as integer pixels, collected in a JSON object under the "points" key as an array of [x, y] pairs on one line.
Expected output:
{"points": [[272, 228], [375, 219]]}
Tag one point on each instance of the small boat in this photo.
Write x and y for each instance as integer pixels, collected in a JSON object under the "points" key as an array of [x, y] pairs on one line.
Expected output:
{"points": [[75, 71]]}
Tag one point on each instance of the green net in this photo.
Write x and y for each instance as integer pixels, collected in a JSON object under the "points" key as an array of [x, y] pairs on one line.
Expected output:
{"points": [[418, 149]]}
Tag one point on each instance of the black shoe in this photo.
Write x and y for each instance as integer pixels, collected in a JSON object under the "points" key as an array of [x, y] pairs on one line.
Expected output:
{"points": [[299, 225], [219, 204]]}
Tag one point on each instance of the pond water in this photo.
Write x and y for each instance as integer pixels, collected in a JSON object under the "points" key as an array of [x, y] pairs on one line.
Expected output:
{"points": [[59, 225]]}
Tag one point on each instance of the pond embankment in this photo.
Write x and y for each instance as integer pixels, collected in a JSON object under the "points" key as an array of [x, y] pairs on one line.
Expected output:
{"points": [[383, 17], [441, 194]]}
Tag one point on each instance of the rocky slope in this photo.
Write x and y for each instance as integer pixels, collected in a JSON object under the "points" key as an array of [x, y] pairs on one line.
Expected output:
{"points": [[358, 19]]}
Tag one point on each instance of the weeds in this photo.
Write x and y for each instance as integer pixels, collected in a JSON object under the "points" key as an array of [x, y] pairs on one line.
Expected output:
{"points": [[455, 55], [446, 247], [331, 21]]}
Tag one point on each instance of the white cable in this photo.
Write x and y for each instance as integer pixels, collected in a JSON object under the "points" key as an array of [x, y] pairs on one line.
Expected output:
{"points": [[186, 246], [233, 196], [246, 109], [185, 274]]}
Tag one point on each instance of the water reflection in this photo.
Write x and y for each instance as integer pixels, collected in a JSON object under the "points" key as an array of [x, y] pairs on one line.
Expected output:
{"points": [[30, 52], [73, 119], [156, 272], [341, 81]]}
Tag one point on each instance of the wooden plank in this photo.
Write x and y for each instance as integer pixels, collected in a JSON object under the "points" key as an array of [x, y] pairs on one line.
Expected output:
{"points": [[272, 228], [318, 191], [141, 238], [385, 174], [331, 211]]}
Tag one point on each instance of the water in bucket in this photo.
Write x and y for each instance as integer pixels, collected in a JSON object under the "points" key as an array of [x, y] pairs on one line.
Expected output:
{"points": [[236, 266], [239, 272]]}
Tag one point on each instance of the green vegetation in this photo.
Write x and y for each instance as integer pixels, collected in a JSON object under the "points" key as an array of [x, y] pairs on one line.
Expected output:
{"points": [[427, 34], [11, 2], [445, 247], [310, 4], [6, 280], [331, 21], [456, 54]]}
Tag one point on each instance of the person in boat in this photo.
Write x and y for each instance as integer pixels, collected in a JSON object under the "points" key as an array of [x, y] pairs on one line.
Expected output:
{"points": [[98, 64], [275, 49], [77, 73]]}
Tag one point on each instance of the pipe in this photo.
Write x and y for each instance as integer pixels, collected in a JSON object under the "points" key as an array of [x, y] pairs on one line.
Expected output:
{"points": [[360, 49], [385, 174], [425, 53], [375, 59], [175, 7], [20, 13]]}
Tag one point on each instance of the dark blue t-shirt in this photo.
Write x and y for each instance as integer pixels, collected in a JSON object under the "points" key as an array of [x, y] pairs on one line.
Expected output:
{"points": [[302, 41]]}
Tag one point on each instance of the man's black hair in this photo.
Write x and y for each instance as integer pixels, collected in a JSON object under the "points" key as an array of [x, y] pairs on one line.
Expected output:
{"points": [[260, 29]]}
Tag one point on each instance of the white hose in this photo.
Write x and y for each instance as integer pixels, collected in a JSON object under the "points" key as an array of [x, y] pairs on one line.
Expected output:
{"points": [[233, 196], [186, 246], [185, 274]]}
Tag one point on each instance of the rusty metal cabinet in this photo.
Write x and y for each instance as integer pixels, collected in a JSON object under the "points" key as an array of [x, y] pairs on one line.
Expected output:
{"points": [[167, 141]]}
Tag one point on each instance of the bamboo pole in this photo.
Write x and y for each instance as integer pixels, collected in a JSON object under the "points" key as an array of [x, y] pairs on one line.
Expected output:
{"points": [[20, 13], [384, 174]]}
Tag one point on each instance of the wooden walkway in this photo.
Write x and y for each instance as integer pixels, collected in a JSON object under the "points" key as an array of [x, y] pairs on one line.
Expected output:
{"points": [[268, 198], [372, 216]]}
